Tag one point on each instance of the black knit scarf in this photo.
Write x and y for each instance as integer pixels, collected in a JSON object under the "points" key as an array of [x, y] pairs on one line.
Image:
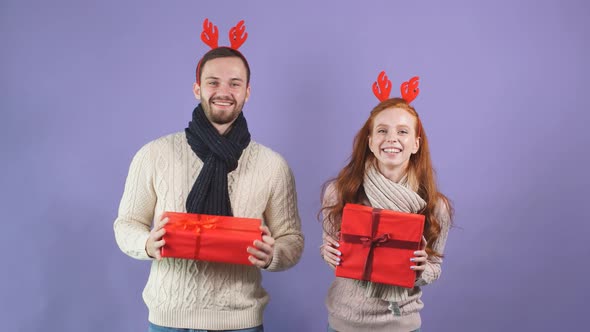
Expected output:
{"points": [[220, 155]]}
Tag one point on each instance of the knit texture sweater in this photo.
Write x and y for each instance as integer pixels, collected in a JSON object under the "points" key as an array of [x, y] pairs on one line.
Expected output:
{"points": [[193, 294], [356, 306]]}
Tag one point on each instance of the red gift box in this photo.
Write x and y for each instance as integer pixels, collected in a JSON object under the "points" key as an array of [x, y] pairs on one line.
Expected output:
{"points": [[210, 238], [377, 245]]}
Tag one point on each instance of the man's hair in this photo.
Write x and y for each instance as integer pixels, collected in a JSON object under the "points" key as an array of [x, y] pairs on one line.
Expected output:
{"points": [[221, 52]]}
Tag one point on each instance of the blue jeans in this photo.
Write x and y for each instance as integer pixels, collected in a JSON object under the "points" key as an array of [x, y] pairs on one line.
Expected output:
{"points": [[330, 329], [158, 328]]}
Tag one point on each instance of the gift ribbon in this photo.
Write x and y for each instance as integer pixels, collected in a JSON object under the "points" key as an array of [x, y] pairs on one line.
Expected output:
{"points": [[374, 241], [197, 226]]}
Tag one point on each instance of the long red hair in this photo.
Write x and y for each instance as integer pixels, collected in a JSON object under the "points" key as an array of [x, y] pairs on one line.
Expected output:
{"points": [[348, 185]]}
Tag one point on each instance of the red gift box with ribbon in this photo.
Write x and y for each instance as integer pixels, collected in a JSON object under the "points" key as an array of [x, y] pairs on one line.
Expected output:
{"points": [[377, 245], [210, 238]]}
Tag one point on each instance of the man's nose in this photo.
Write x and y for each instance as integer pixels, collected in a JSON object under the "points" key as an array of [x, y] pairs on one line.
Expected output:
{"points": [[223, 89]]}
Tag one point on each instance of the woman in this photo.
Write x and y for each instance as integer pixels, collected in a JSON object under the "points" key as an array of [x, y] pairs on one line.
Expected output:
{"points": [[389, 168]]}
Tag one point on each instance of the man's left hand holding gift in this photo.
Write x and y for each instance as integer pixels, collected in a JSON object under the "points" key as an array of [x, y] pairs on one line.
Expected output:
{"points": [[261, 255]]}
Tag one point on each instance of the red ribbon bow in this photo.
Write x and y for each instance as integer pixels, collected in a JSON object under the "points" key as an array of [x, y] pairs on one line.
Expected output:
{"points": [[197, 225], [372, 243], [367, 241]]}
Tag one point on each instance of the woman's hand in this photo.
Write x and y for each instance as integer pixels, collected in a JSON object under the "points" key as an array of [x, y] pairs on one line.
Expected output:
{"points": [[329, 253], [420, 258]]}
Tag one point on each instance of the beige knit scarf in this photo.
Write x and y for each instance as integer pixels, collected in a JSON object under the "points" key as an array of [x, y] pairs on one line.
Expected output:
{"points": [[386, 194]]}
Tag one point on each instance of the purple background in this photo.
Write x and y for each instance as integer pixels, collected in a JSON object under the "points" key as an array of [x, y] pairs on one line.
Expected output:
{"points": [[504, 98]]}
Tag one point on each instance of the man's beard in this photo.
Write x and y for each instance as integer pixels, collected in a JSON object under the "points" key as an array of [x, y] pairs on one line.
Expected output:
{"points": [[225, 116]]}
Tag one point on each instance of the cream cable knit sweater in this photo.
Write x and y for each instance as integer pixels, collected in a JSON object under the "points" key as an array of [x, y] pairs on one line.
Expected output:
{"points": [[196, 294]]}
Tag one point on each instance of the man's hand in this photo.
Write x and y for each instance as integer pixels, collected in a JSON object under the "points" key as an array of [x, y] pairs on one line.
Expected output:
{"points": [[262, 254], [154, 242]]}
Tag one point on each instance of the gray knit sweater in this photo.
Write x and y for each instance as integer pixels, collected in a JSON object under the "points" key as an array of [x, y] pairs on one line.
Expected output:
{"points": [[196, 294], [352, 308]]}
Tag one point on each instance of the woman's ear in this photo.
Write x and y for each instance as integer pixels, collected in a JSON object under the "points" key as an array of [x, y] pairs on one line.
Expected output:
{"points": [[416, 145]]}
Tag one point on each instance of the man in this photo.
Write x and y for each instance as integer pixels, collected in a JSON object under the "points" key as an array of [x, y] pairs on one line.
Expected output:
{"points": [[211, 168]]}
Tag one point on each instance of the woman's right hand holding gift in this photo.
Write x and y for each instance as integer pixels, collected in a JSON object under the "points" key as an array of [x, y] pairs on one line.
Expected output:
{"points": [[329, 251]]}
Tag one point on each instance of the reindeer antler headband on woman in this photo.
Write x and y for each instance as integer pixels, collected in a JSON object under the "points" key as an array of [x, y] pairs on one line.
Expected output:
{"points": [[382, 88], [210, 36], [409, 91]]}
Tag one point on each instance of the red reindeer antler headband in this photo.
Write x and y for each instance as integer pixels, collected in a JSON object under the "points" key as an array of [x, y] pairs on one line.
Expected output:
{"points": [[382, 88], [237, 34], [210, 36]]}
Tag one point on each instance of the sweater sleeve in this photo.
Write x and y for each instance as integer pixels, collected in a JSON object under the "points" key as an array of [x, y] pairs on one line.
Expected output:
{"points": [[136, 210], [282, 218], [329, 199], [433, 264]]}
